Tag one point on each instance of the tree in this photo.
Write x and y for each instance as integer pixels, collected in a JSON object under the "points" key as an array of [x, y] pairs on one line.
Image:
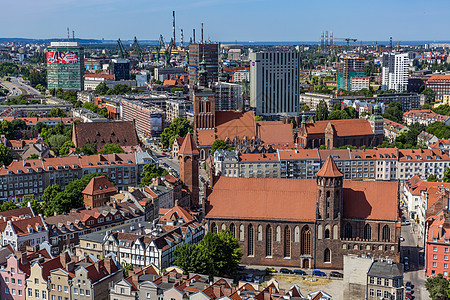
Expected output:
{"points": [[351, 111], [101, 89], [192, 259], [337, 106], [18, 124], [338, 115], [258, 118], [176, 89], [446, 177], [218, 144], [35, 205], [56, 112], [321, 111], [48, 196], [430, 94], [8, 205], [7, 130], [439, 129], [56, 141], [126, 268], [33, 156], [437, 287], [88, 149], [432, 178], [179, 128], [65, 148], [111, 148], [394, 112], [5, 155], [39, 126], [305, 108], [149, 172]]}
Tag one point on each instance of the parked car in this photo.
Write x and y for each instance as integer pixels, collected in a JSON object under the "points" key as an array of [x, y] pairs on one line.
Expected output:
{"points": [[257, 279], [336, 274], [407, 222], [285, 271], [249, 278], [271, 270], [240, 268], [406, 266], [299, 272], [318, 273], [406, 259]]}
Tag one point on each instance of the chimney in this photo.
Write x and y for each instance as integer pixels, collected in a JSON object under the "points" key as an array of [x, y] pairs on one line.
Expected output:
{"points": [[135, 279], [107, 264], [64, 258], [216, 290], [165, 278], [266, 296]]}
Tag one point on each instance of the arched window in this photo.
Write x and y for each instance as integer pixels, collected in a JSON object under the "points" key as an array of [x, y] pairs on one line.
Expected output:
{"points": [[386, 233], [327, 256], [213, 228], [327, 231], [367, 232], [233, 229], [241, 233], [250, 241], [287, 241], [348, 231], [224, 227], [335, 232], [260, 233], [296, 234], [306, 240], [328, 193], [269, 240], [278, 234], [319, 231]]}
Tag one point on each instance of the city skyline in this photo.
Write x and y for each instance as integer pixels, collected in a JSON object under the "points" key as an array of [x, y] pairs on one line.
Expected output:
{"points": [[249, 20]]}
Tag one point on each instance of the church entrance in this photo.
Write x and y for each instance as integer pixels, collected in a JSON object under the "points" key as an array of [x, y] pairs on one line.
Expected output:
{"points": [[305, 263]]}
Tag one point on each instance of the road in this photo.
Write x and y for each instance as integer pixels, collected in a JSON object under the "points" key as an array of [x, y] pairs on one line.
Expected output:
{"points": [[416, 273], [14, 90], [29, 90]]}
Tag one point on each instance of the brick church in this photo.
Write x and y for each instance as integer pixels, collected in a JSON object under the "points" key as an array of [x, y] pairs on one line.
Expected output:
{"points": [[307, 223]]}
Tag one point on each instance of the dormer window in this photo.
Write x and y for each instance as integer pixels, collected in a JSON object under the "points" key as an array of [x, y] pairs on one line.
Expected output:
{"points": [[30, 229]]}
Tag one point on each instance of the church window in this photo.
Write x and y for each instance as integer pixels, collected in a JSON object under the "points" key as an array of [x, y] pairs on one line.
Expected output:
{"points": [[319, 231], [233, 229], [348, 231], [287, 242], [296, 234], [260, 233], [241, 233], [306, 240], [327, 256], [224, 227], [213, 228], [250, 241], [367, 232], [278, 234], [386, 233], [327, 231], [268, 240], [335, 232]]}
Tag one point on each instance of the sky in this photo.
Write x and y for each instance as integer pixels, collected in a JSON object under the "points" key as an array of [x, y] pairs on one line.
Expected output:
{"points": [[228, 20]]}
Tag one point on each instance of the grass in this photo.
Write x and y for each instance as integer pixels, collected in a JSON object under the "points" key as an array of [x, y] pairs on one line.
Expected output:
{"points": [[294, 279]]}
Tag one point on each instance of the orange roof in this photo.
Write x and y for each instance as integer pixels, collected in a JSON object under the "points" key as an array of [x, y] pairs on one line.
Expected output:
{"points": [[298, 154], [346, 127], [231, 124], [295, 199], [188, 147], [99, 185], [104, 76], [205, 137], [177, 212], [259, 157], [329, 169], [438, 78], [275, 132]]}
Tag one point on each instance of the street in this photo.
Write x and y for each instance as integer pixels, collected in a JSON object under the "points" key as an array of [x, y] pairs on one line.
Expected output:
{"points": [[410, 249]]}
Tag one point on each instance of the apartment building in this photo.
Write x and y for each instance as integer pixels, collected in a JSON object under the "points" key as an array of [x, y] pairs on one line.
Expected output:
{"points": [[437, 245], [20, 233], [385, 280], [177, 108], [31, 177], [149, 119], [440, 84], [395, 68], [228, 96], [425, 117]]}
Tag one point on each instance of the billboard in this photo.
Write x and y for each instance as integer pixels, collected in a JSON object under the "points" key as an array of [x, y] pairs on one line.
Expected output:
{"points": [[62, 57]]}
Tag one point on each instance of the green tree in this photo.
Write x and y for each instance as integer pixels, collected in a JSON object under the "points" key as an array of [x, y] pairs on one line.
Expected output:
{"points": [[39, 126], [351, 111], [321, 111], [258, 118], [305, 108], [126, 268], [437, 287], [101, 89], [149, 172], [18, 124], [394, 112], [8, 205], [218, 144], [337, 106], [35, 205], [179, 128], [111, 148], [446, 177], [338, 115], [439, 129], [432, 178], [7, 130], [430, 94], [192, 259], [176, 89], [88, 149], [5, 155], [56, 141], [65, 148], [56, 112], [33, 156], [48, 197]]}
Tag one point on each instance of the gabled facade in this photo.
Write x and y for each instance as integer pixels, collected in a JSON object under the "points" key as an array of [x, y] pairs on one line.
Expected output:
{"points": [[26, 232], [12, 280]]}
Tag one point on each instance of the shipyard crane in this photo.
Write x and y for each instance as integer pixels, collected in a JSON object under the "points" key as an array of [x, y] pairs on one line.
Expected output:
{"points": [[137, 49], [121, 49], [159, 47]]}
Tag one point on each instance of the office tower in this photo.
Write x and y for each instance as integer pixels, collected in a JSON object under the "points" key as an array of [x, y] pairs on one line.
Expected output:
{"points": [[120, 67], [350, 65], [228, 96], [65, 66], [395, 71], [211, 54], [274, 81]]}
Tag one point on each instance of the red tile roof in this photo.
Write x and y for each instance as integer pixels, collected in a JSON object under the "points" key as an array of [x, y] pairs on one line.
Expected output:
{"points": [[18, 213], [188, 147], [231, 124], [99, 185], [329, 169], [275, 132], [347, 127], [295, 199], [176, 212]]}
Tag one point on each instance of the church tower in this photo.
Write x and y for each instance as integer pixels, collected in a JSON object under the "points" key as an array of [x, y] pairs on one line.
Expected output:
{"points": [[329, 192], [188, 156]]}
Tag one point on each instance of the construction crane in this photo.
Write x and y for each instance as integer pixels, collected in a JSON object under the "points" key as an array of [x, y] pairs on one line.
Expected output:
{"points": [[137, 49], [159, 47], [168, 52], [346, 39], [121, 49]]}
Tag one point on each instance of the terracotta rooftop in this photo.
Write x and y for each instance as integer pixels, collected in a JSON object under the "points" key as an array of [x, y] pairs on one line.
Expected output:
{"points": [[295, 199], [347, 127], [99, 185], [231, 124], [18, 213], [188, 147], [329, 169], [275, 132]]}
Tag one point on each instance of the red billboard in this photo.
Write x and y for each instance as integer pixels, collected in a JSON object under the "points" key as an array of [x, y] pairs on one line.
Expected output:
{"points": [[62, 57]]}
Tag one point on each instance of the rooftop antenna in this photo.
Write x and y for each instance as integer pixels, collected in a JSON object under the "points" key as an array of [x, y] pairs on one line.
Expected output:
{"points": [[202, 33], [193, 34]]}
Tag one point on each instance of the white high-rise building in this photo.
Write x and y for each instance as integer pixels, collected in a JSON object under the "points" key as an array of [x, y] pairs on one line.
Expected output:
{"points": [[395, 71], [228, 96], [274, 81]]}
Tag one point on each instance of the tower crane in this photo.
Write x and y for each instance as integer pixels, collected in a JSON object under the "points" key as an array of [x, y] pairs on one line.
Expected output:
{"points": [[121, 49], [346, 39]]}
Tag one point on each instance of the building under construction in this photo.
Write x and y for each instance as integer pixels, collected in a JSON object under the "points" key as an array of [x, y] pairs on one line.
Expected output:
{"points": [[350, 65], [211, 54]]}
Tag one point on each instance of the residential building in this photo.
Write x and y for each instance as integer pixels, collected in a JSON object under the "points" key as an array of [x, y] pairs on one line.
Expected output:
{"points": [[424, 139], [385, 280], [274, 82], [442, 144], [350, 65], [437, 243], [440, 84], [161, 194], [326, 218], [12, 279], [177, 108], [37, 283], [203, 52], [120, 68], [91, 81], [359, 82], [148, 119], [395, 68], [22, 149], [112, 104], [98, 192], [409, 101], [392, 130], [65, 66], [20, 233], [228, 96], [425, 117], [162, 74]]}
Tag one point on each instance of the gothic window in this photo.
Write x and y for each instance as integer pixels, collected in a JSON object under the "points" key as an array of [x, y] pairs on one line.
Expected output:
{"points": [[260, 233], [233, 229], [306, 240], [367, 232], [335, 232], [224, 227], [296, 234], [278, 234], [241, 233], [327, 256], [287, 241], [268, 240], [328, 194], [250, 241], [327, 231], [319, 231], [348, 231], [386, 233], [213, 228]]}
